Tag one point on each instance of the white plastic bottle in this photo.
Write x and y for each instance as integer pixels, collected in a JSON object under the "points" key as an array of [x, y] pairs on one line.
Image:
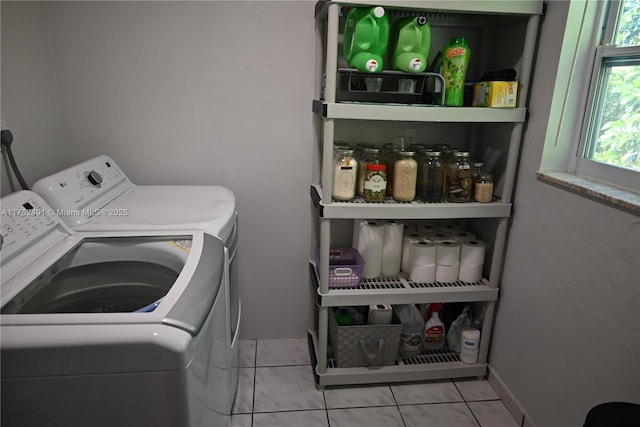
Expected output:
{"points": [[469, 345], [412, 328], [434, 334]]}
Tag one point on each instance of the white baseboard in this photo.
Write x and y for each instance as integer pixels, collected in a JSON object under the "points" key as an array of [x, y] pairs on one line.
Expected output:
{"points": [[509, 400]]}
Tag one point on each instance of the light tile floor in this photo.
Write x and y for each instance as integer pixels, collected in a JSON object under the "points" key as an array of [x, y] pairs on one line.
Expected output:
{"points": [[276, 389]]}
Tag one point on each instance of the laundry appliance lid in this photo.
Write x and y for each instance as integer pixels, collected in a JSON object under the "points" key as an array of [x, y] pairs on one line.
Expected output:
{"points": [[97, 195], [37, 241]]}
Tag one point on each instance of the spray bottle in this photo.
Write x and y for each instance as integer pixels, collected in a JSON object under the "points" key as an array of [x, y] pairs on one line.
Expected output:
{"points": [[434, 334], [455, 60]]}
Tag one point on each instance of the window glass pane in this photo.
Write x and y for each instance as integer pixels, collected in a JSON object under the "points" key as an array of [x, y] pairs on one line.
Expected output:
{"points": [[616, 128], [628, 32]]}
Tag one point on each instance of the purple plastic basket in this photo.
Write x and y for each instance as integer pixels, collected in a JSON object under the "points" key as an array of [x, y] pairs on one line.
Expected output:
{"points": [[345, 267]]}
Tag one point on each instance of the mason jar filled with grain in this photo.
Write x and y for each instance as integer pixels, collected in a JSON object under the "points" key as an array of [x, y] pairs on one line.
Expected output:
{"points": [[344, 174], [405, 175]]}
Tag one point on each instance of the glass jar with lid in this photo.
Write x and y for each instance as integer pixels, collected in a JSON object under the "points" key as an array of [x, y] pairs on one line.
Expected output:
{"points": [[368, 155], [483, 190], [405, 175], [430, 176], [458, 186], [375, 182], [388, 157], [478, 168], [345, 170]]}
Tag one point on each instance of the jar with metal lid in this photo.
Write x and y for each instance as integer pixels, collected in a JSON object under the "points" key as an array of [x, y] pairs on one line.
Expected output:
{"points": [[405, 175], [375, 182], [458, 186], [430, 176], [344, 174], [388, 157], [368, 155], [478, 168], [483, 191]]}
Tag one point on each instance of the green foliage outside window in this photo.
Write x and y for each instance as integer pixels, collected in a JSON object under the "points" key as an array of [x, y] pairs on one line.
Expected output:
{"points": [[618, 141]]}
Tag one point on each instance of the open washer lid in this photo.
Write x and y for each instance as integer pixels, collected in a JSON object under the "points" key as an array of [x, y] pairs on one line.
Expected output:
{"points": [[35, 240], [97, 195]]}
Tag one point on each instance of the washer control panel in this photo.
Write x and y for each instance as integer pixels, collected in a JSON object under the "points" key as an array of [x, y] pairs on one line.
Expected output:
{"points": [[26, 218], [83, 188]]}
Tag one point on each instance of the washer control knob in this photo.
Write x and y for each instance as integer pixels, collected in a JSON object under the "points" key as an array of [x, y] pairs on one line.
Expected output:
{"points": [[94, 178]]}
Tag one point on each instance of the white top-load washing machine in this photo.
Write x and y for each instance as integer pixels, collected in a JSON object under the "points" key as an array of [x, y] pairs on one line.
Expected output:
{"points": [[96, 195], [109, 328]]}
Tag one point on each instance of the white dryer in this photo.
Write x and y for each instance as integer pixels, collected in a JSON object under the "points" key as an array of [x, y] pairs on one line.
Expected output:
{"points": [[109, 328], [96, 195]]}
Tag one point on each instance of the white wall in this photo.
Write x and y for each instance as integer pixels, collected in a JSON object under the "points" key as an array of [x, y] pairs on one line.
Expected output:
{"points": [[567, 333], [200, 93], [160, 87], [29, 105]]}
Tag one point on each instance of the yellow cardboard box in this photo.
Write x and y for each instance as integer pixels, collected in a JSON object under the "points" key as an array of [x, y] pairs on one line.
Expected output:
{"points": [[495, 94]]}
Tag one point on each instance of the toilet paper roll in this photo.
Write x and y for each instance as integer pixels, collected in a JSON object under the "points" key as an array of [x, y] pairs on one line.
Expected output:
{"points": [[447, 252], [472, 252], [447, 273], [427, 228], [470, 273], [422, 253], [448, 228], [409, 228], [370, 247], [408, 238], [438, 236], [423, 273], [462, 235], [392, 248], [379, 314]]}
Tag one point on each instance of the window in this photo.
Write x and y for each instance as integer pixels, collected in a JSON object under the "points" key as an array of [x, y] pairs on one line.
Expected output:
{"points": [[611, 126], [594, 125]]}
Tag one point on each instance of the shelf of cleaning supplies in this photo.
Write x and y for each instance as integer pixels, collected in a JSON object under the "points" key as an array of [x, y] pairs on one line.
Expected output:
{"points": [[390, 209], [401, 290], [520, 7], [429, 366], [417, 113]]}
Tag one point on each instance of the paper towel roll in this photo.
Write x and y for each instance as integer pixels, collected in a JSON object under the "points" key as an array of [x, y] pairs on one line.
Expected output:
{"points": [[392, 248], [447, 252], [470, 273], [447, 273], [408, 238], [379, 314], [422, 253], [462, 235], [357, 226], [472, 252], [370, 247], [438, 236], [423, 273]]}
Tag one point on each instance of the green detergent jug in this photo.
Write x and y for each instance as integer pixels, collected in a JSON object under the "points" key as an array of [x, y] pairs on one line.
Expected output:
{"points": [[410, 45], [366, 35]]}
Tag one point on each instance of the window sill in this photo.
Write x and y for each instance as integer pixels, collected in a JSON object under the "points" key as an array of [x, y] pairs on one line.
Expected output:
{"points": [[589, 187]]}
